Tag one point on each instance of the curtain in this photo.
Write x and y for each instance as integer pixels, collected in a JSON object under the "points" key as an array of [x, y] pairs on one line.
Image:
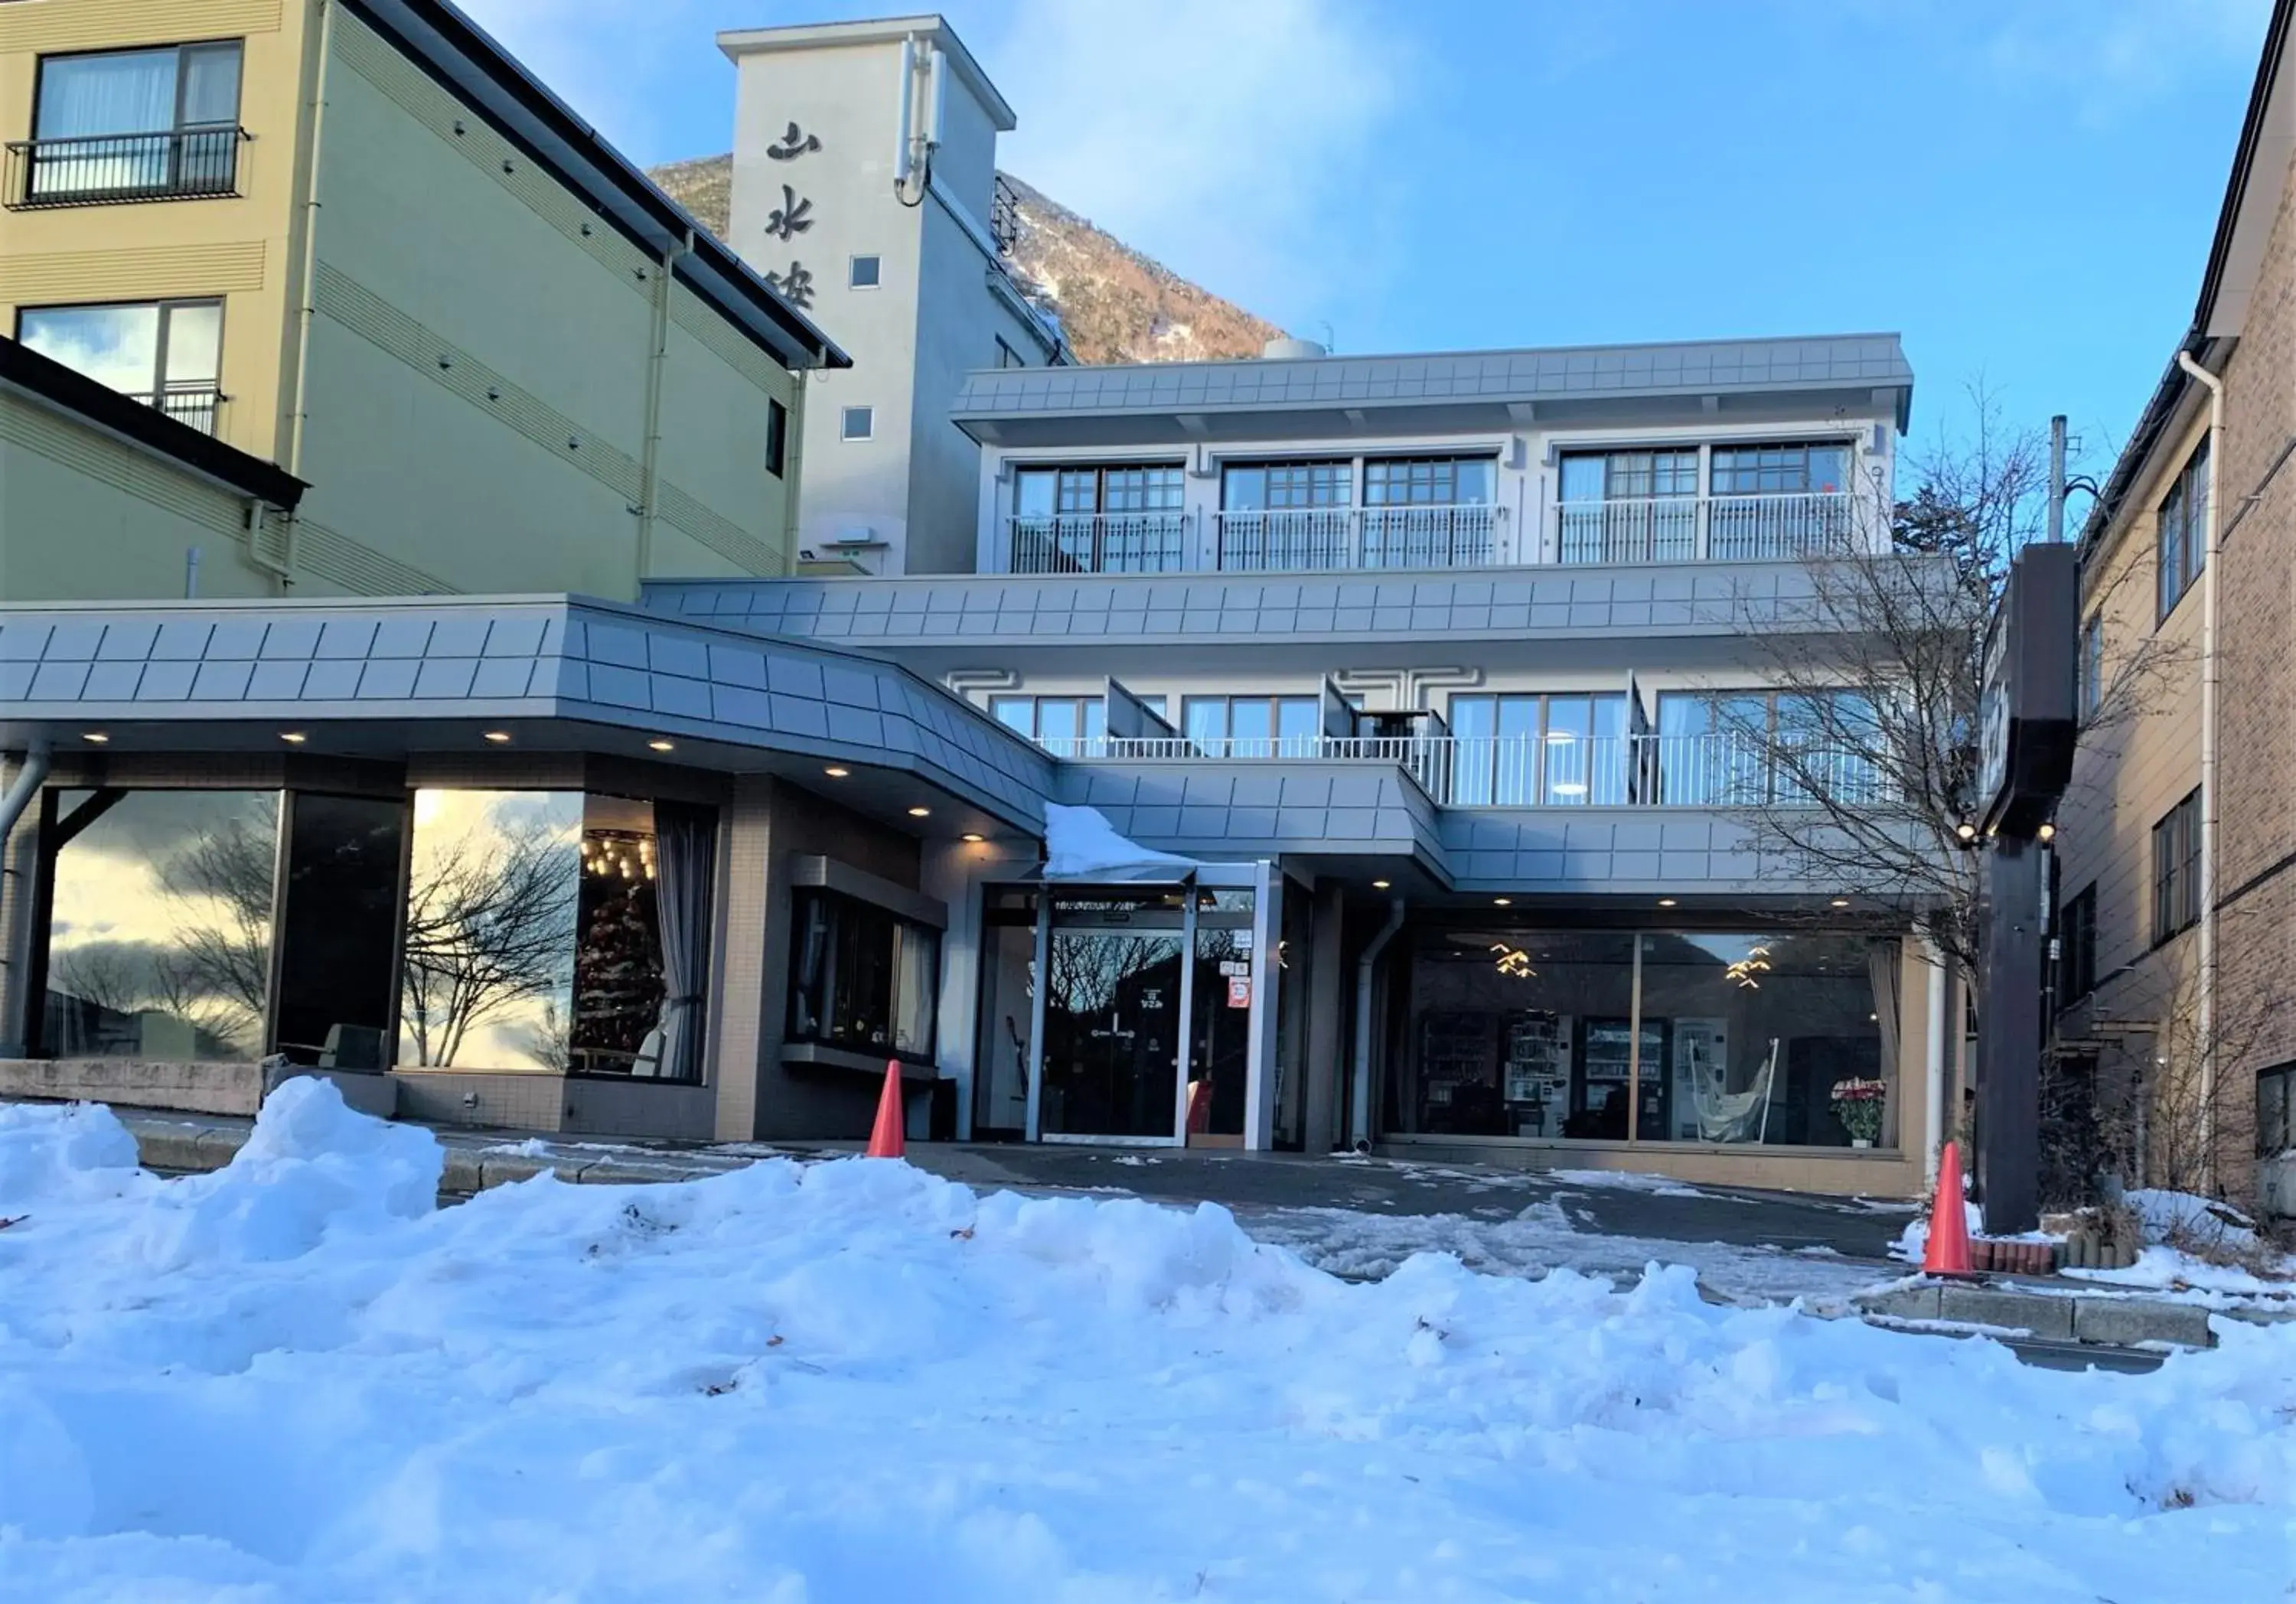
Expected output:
{"points": [[91, 97], [686, 860], [1883, 964]]}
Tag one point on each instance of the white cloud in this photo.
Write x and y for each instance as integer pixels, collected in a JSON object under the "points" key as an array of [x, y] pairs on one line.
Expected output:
{"points": [[1221, 137], [2114, 55]]}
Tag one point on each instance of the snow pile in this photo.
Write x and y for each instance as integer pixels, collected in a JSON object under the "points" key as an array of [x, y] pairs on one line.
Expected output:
{"points": [[74, 1153], [853, 1381], [1080, 843], [1914, 1238]]}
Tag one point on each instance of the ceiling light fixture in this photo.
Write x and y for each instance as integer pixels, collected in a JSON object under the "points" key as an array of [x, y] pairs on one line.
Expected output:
{"points": [[920, 812], [1380, 885], [1966, 831], [836, 773], [95, 737], [661, 746], [499, 737], [1503, 902], [2048, 832], [1666, 902], [1840, 902], [293, 737], [974, 836]]}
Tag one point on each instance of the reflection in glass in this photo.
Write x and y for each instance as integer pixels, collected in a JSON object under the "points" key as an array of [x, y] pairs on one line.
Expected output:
{"points": [[863, 979], [1008, 986], [160, 932], [1113, 1018], [1220, 1034], [488, 978]]}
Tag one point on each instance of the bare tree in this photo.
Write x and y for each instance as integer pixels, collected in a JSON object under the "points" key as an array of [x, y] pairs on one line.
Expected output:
{"points": [[489, 922], [1861, 773], [220, 885]]}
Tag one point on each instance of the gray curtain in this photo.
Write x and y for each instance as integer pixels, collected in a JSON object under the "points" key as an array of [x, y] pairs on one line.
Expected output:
{"points": [[685, 863], [1883, 964]]}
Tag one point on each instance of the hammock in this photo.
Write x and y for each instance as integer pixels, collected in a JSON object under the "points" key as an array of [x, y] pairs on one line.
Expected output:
{"points": [[1737, 1115]]}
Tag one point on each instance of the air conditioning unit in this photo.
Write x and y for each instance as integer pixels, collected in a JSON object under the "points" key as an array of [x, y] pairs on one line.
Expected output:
{"points": [[860, 536]]}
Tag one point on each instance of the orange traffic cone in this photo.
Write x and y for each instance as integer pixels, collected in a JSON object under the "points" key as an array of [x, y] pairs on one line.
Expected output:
{"points": [[1947, 1251], [885, 1138]]}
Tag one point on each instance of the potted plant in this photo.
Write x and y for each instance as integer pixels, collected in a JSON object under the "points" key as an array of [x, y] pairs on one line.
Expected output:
{"points": [[1858, 1105]]}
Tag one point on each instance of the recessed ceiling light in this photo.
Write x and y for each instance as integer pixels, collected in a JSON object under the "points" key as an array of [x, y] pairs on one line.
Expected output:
{"points": [[920, 812], [1666, 902], [836, 773], [293, 737], [1380, 885], [1504, 902], [95, 737], [661, 746], [1840, 902], [974, 835], [499, 737], [2048, 832]]}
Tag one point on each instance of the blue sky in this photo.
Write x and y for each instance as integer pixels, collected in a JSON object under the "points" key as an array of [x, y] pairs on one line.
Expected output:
{"points": [[2023, 188]]}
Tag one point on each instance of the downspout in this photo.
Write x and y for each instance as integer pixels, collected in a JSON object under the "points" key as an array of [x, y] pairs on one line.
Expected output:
{"points": [[1933, 1063], [31, 773], [657, 360], [1359, 1096], [2211, 669], [308, 309]]}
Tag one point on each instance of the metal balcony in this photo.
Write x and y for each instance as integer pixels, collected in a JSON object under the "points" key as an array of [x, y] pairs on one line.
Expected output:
{"points": [[1707, 528], [1099, 543], [1314, 539], [108, 170], [201, 405]]}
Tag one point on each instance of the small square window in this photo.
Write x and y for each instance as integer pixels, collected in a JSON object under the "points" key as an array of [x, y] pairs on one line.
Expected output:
{"points": [[859, 423], [867, 272]]}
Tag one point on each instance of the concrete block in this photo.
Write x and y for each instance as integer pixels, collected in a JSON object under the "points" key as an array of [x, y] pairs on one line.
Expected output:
{"points": [[170, 1148], [499, 1169], [2036, 1313], [2130, 1321], [463, 1172], [1902, 1303]]}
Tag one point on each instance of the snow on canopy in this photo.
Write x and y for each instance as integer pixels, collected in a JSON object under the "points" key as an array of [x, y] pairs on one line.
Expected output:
{"points": [[1081, 844]]}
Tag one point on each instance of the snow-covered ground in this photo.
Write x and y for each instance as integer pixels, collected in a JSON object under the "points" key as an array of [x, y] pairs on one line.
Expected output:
{"points": [[296, 1379]]}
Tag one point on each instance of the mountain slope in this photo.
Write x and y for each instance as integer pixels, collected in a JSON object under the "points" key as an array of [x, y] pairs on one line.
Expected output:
{"points": [[1115, 304]]}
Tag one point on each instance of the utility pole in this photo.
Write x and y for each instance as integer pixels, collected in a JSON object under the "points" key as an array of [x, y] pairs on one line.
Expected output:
{"points": [[2057, 479]]}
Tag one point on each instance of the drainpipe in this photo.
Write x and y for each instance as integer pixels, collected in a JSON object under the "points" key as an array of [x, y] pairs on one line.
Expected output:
{"points": [[1359, 1099], [15, 1017], [2210, 672], [657, 358], [1934, 1060], [306, 308]]}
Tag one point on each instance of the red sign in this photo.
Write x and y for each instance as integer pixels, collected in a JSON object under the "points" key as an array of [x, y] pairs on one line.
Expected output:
{"points": [[1239, 992]]}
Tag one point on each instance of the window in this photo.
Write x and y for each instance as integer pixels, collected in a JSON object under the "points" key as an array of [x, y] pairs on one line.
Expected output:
{"points": [[1006, 357], [1786, 1037], [1741, 749], [1423, 512], [1630, 506], [864, 273], [1429, 481], [1284, 487], [1629, 475], [165, 353], [1288, 516], [1120, 519], [2076, 947], [1252, 726], [1781, 470], [2275, 1111], [1525, 750], [132, 125], [1068, 726], [2183, 541], [2090, 668], [776, 438], [858, 423], [558, 931], [863, 979], [2177, 870]]}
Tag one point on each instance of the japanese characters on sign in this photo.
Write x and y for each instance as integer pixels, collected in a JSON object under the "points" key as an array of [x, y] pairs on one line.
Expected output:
{"points": [[792, 216]]}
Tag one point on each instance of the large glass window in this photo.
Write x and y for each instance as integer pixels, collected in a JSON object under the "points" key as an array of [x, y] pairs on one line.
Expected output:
{"points": [[1778, 501], [552, 930], [1292, 516], [2184, 537], [165, 353], [338, 928], [1743, 749], [1069, 726], [861, 978], [1630, 506], [1007, 1018], [160, 923], [1781, 470], [1785, 1038], [2076, 947], [2177, 870], [1252, 726], [1119, 518], [136, 123], [1523, 750]]}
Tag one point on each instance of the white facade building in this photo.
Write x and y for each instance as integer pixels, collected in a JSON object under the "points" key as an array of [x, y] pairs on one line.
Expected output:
{"points": [[865, 187]]}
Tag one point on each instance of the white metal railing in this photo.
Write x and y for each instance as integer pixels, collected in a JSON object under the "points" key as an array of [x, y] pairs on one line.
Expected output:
{"points": [[1555, 770], [1098, 542], [1716, 528], [1306, 539]]}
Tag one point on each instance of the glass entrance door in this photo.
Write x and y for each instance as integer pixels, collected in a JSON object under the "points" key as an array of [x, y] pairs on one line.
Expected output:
{"points": [[1113, 1030]]}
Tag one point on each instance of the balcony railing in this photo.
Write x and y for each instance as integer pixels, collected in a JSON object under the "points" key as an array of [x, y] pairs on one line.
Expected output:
{"points": [[181, 164], [1723, 771], [1100, 543], [197, 404], [1307, 539], [1716, 528]]}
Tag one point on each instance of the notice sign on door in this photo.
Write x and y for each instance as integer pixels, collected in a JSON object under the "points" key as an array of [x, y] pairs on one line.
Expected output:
{"points": [[1230, 968], [1239, 991]]}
